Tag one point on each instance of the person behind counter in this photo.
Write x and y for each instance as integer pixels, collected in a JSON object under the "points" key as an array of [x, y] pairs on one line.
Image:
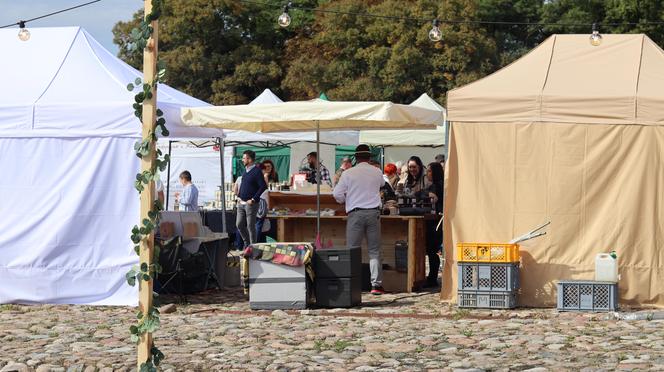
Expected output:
{"points": [[269, 171], [345, 164], [386, 191], [189, 198], [359, 188], [434, 174], [390, 171], [270, 175], [252, 187], [312, 159], [415, 180]]}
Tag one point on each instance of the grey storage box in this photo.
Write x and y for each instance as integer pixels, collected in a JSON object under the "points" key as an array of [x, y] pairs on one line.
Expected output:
{"points": [[487, 300], [587, 295], [488, 276], [339, 292], [401, 256], [338, 263], [273, 286]]}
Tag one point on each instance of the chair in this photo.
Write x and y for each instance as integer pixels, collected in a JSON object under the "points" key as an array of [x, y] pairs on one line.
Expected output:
{"points": [[172, 271]]}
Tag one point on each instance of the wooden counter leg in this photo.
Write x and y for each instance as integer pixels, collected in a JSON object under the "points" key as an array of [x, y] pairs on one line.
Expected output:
{"points": [[281, 230], [412, 264]]}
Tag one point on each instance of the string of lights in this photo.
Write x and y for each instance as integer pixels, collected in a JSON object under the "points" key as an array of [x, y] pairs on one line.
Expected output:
{"points": [[435, 34], [24, 34]]}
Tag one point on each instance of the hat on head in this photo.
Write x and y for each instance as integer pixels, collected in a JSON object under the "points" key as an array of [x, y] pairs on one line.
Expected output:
{"points": [[362, 150]]}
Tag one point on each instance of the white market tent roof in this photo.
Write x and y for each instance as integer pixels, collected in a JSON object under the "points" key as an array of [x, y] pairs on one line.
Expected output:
{"points": [[346, 138], [428, 137], [297, 116], [63, 83]]}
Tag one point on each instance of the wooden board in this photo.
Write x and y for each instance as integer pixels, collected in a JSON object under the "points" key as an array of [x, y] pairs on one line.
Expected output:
{"points": [[393, 229], [303, 202]]}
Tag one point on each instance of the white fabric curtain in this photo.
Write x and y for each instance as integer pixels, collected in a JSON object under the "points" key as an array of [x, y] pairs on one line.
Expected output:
{"points": [[68, 205]]}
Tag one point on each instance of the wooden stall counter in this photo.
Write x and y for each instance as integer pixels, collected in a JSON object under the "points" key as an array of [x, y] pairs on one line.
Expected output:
{"points": [[410, 229]]}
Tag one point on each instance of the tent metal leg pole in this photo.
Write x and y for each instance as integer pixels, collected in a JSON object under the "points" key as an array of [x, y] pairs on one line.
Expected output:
{"points": [[223, 184], [168, 174], [317, 179]]}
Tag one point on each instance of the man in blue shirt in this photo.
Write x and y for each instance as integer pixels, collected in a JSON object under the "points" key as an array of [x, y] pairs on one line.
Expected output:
{"points": [[252, 186], [189, 197]]}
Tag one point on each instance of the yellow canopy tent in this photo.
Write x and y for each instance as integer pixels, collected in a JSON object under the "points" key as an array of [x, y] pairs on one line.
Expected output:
{"points": [[570, 133]]}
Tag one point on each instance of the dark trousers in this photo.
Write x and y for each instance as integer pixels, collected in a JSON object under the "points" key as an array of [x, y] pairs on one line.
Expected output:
{"points": [[260, 235], [434, 239]]}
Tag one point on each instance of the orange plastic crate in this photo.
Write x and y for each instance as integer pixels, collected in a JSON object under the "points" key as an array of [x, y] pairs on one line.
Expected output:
{"points": [[488, 252]]}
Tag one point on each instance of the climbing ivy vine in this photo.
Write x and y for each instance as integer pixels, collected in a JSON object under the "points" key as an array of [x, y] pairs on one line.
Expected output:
{"points": [[149, 321]]}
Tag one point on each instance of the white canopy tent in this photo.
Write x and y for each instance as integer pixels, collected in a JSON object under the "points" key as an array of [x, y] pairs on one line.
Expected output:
{"points": [[67, 132], [344, 138], [407, 137], [314, 115]]}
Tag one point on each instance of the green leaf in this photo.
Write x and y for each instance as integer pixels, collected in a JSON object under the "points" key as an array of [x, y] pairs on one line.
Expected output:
{"points": [[144, 266], [137, 81], [139, 315], [159, 112], [134, 339], [133, 329], [131, 281], [137, 249], [146, 277], [156, 300], [130, 87], [157, 355], [161, 121]]}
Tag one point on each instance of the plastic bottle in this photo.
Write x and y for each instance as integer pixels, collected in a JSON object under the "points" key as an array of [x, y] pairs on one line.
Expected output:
{"points": [[606, 267]]}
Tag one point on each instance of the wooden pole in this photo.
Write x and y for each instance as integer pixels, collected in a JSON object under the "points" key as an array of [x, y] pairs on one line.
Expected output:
{"points": [[147, 196]]}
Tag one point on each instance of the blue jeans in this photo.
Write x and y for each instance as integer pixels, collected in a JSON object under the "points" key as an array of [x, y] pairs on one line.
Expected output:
{"points": [[260, 235]]}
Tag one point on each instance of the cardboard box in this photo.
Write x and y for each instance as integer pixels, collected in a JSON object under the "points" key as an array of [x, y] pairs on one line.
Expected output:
{"points": [[190, 230], [166, 229]]}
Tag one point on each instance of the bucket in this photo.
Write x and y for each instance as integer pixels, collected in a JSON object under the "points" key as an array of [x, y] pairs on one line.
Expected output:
{"points": [[606, 268]]}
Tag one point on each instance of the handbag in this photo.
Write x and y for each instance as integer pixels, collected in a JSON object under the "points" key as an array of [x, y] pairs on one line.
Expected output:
{"points": [[262, 209]]}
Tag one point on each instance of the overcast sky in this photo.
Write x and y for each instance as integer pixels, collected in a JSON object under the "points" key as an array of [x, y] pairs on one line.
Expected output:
{"points": [[98, 18]]}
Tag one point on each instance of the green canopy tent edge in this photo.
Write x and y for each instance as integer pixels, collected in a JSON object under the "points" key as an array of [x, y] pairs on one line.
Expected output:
{"points": [[280, 156]]}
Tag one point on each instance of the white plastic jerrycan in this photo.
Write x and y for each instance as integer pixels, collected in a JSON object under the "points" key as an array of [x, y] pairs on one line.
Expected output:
{"points": [[606, 268]]}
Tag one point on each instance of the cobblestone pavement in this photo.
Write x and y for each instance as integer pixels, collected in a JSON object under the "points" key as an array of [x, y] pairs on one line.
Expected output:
{"points": [[395, 332]]}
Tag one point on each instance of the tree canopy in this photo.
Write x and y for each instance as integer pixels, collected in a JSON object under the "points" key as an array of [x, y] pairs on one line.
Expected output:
{"points": [[228, 51]]}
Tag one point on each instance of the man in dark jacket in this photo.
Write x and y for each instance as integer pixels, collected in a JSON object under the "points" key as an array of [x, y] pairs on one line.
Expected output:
{"points": [[251, 188]]}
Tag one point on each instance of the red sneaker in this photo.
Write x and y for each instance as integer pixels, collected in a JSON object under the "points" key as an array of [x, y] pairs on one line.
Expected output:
{"points": [[377, 290]]}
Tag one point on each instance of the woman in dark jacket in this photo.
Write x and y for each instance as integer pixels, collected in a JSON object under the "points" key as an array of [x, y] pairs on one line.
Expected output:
{"points": [[434, 174]]}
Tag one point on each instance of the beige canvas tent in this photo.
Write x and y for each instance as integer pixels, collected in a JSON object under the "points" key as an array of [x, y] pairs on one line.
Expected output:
{"points": [[573, 134]]}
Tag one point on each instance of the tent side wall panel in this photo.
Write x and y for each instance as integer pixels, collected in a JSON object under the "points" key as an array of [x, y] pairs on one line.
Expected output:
{"points": [[601, 186]]}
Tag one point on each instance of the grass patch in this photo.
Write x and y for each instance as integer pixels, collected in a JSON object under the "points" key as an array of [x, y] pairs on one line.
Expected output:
{"points": [[460, 314], [467, 332], [9, 307]]}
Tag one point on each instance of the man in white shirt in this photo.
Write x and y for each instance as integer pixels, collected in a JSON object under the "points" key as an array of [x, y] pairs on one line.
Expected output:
{"points": [[359, 187]]}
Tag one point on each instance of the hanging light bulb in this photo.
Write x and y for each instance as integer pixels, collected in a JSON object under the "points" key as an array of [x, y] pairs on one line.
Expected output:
{"points": [[435, 34], [595, 38], [284, 19], [23, 34]]}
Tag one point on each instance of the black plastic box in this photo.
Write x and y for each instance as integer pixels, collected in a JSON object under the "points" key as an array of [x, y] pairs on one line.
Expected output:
{"points": [[339, 292], [338, 263]]}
